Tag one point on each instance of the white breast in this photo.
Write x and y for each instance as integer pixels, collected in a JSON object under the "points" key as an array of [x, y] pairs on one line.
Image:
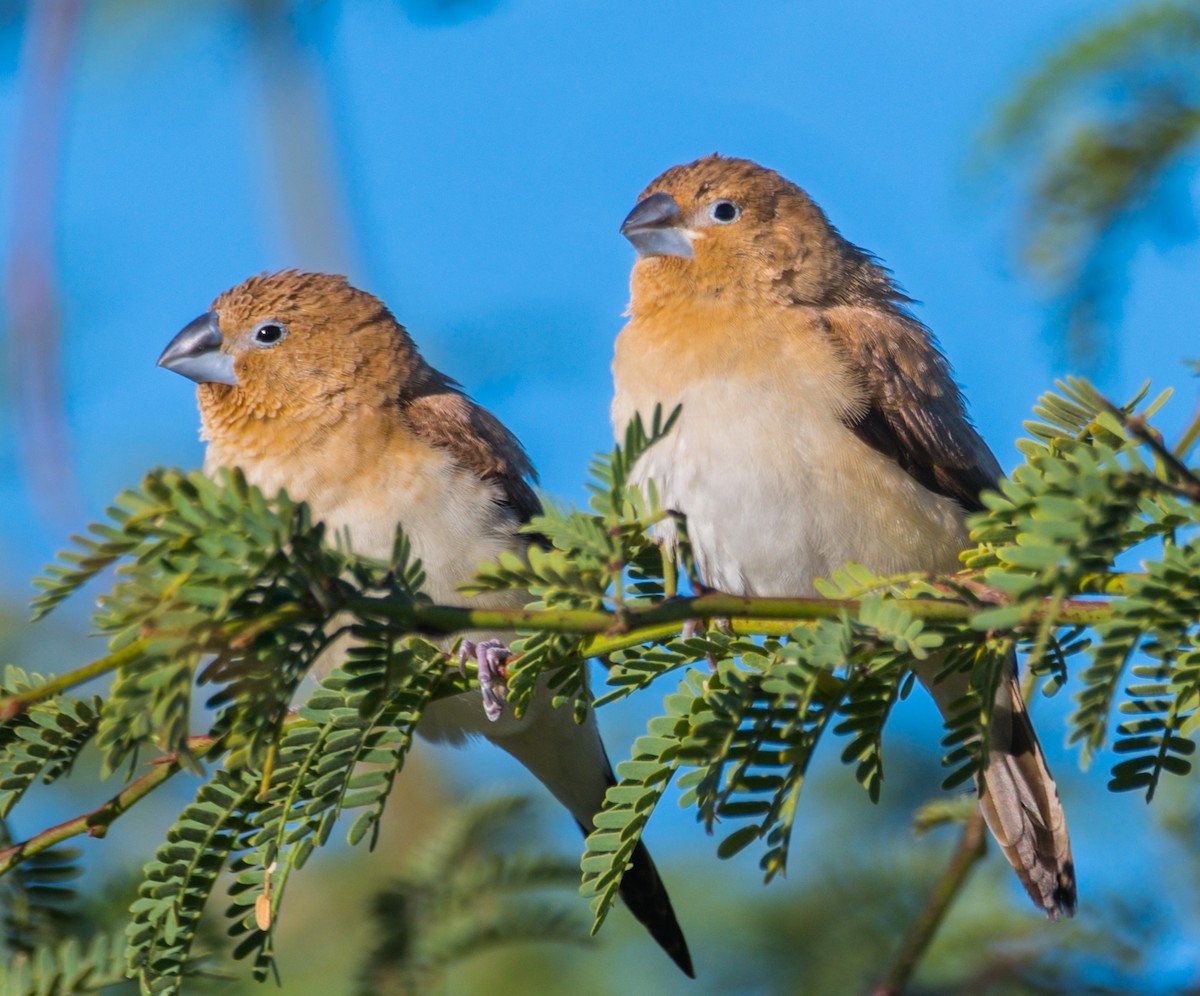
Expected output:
{"points": [[451, 517], [778, 492]]}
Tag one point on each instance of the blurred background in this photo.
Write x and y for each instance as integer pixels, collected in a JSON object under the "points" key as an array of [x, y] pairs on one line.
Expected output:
{"points": [[1028, 171]]}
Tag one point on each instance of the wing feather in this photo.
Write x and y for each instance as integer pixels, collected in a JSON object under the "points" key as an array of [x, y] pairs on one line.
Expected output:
{"points": [[446, 418], [911, 410]]}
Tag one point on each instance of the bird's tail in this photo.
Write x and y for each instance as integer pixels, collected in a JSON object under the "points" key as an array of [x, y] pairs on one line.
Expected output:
{"points": [[570, 760], [647, 899], [1020, 804], [1017, 795]]}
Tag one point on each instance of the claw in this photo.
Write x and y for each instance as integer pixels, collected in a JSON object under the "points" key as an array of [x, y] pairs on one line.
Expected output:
{"points": [[491, 655], [693, 627]]}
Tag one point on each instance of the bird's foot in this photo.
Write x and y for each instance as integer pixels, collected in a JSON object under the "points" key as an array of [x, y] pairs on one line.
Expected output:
{"points": [[491, 656], [692, 627]]}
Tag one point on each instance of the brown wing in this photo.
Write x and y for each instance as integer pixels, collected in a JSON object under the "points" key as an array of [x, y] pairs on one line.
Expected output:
{"points": [[449, 420], [913, 411]]}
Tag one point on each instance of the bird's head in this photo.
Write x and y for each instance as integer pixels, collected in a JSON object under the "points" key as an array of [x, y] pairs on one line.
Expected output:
{"points": [[300, 347], [734, 231]]}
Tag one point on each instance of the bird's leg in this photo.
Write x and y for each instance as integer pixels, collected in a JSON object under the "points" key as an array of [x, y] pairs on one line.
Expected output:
{"points": [[690, 628], [491, 656], [693, 626]]}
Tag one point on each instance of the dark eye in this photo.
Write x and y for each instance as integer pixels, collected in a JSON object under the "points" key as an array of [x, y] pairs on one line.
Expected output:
{"points": [[269, 333], [724, 212]]}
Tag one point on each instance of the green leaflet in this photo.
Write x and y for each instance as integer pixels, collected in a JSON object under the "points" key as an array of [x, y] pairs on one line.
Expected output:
{"points": [[38, 898], [66, 967], [315, 778], [602, 558], [43, 742], [220, 585], [1091, 489], [215, 567], [627, 808], [1157, 619]]}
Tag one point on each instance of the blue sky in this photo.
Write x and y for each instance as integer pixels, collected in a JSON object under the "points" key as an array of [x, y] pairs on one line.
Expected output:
{"points": [[483, 168]]}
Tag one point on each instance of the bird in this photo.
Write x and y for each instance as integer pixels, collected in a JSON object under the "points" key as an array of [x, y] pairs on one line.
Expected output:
{"points": [[820, 425], [308, 384]]}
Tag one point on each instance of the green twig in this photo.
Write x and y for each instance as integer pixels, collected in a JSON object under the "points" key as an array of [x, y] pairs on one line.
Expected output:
{"points": [[632, 627], [95, 822], [1190, 435], [971, 848], [423, 617], [14, 705]]}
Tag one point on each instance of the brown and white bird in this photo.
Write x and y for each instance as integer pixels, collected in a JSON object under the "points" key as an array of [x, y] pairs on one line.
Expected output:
{"points": [[820, 426], [310, 385]]}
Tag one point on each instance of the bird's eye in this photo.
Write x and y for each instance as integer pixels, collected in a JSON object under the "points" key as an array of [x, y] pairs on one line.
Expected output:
{"points": [[269, 333], [724, 212]]}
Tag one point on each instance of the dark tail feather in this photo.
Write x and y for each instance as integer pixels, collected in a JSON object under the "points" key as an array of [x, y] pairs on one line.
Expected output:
{"points": [[1020, 803], [1017, 794], [646, 898]]}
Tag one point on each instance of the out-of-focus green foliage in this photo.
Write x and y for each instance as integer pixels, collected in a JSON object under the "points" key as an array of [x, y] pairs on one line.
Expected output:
{"points": [[264, 825], [471, 885], [1102, 135]]}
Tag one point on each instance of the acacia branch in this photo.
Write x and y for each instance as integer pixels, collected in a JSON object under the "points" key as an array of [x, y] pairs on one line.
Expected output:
{"points": [[613, 631], [422, 617], [972, 846], [1188, 484], [95, 822], [14, 705]]}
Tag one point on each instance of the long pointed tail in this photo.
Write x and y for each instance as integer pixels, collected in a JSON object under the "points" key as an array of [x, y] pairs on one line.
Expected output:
{"points": [[1020, 803], [1017, 795], [570, 760], [646, 898]]}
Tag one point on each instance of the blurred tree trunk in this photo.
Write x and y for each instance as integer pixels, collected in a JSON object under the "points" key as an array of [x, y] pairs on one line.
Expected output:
{"points": [[33, 317], [298, 137]]}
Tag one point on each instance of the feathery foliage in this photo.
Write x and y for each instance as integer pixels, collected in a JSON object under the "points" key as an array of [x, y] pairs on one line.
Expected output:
{"points": [[43, 741], [38, 901], [214, 570], [68, 967], [1103, 131], [463, 890], [264, 825], [1095, 485], [598, 559]]}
